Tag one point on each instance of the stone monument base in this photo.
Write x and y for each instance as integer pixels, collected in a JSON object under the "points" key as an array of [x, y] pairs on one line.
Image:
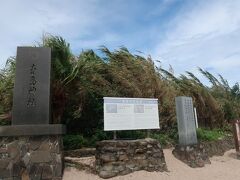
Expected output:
{"points": [[31, 157], [31, 151], [120, 157], [192, 155]]}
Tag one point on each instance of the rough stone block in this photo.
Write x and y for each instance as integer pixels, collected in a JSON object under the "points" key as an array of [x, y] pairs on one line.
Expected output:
{"points": [[40, 157], [3, 150], [58, 169], [107, 174], [47, 172], [45, 146], [35, 142], [123, 157], [16, 169], [26, 158], [127, 171], [4, 163], [13, 149], [5, 173], [107, 157], [35, 171]]}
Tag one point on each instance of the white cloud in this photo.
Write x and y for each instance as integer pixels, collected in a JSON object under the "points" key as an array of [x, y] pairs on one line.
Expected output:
{"points": [[203, 34], [23, 23]]}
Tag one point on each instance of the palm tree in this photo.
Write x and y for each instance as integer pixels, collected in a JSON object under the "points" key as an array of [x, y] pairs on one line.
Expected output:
{"points": [[63, 72]]}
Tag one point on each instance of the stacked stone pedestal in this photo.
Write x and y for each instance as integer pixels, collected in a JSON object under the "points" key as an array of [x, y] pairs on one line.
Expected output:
{"points": [[120, 157], [31, 157], [192, 155]]}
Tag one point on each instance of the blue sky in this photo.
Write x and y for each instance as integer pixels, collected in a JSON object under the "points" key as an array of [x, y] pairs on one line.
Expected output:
{"points": [[184, 33]]}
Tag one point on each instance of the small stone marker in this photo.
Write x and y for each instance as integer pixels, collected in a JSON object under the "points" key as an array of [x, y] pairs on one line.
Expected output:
{"points": [[32, 86], [188, 150], [186, 122]]}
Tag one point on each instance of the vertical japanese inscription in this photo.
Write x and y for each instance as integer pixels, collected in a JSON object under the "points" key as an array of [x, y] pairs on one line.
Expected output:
{"points": [[31, 99]]}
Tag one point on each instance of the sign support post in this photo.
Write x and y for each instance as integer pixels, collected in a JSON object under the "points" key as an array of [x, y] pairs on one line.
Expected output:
{"points": [[114, 135]]}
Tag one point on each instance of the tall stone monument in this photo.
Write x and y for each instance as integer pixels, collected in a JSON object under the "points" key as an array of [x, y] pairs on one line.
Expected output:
{"points": [[188, 150], [31, 147], [186, 121], [32, 86]]}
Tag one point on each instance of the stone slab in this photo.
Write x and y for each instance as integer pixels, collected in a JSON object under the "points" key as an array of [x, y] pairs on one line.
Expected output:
{"points": [[186, 121], [32, 86], [4, 163], [37, 130]]}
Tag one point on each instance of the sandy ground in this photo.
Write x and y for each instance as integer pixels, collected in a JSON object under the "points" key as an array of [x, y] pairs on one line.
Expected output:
{"points": [[221, 168]]}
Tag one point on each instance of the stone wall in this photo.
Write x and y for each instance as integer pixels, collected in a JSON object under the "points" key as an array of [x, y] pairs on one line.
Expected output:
{"points": [[31, 157], [120, 157]]}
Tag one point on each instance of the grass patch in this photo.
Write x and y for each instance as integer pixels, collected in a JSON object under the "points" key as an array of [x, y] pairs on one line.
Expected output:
{"points": [[210, 135]]}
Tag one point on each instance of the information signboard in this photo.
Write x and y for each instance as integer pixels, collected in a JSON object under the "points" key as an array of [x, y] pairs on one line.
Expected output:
{"points": [[130, 113]]}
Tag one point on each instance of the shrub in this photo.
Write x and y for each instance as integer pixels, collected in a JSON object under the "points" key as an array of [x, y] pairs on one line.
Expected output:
{"points": [[209, 135], [99, 135], [133, 134], [71, 142], [4, 123], [164, 139]]}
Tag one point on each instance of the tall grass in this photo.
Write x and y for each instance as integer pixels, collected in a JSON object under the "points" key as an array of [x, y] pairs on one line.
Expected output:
{"points": [[80, 82]]}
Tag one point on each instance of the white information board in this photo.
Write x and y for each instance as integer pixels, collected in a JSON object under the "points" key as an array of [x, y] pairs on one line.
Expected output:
{"points": [[130, 113]]}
